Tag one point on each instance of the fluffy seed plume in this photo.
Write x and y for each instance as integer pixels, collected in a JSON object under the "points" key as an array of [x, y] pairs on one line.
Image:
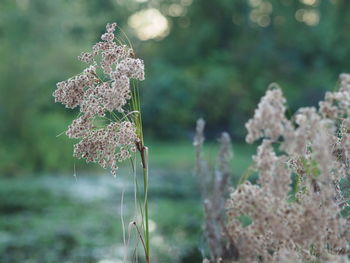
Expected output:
{"points": [[105, 127], [269, 119]]}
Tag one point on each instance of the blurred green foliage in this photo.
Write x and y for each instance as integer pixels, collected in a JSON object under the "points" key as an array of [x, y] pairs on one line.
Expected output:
{"points": [[216, 62], [53, 219]]}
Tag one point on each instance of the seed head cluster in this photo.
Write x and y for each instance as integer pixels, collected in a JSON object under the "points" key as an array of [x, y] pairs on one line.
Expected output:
{"points": [[268, 118], [303, 223], [297, 211], [102, 93]]}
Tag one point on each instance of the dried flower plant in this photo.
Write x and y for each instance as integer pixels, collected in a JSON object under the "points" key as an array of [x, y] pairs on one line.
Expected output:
{"points": [[305, 223], [109, 124], [214, 189]]}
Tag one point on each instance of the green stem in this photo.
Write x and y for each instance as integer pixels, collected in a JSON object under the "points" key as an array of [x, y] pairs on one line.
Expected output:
{"points": [[135, 104], [145, 181], [144, 159]]}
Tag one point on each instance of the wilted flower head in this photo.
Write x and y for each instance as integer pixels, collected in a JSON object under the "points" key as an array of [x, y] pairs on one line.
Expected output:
{"points": [[101, 90]]}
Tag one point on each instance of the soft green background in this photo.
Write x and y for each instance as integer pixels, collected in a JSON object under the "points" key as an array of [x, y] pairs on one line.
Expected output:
{"points": [[214, 60], [215, 63]]}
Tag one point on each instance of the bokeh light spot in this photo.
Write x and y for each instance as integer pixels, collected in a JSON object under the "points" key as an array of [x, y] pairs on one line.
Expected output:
{"points": [[149, 24], [309, 17], [176, 10], [309, 2]]}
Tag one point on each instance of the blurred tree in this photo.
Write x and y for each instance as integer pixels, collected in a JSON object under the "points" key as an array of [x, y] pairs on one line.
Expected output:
{"points": [[211, 59], [227, 52]]}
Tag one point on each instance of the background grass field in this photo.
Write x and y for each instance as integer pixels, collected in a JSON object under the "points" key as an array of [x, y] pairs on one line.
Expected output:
{"points": [[60, 218]]}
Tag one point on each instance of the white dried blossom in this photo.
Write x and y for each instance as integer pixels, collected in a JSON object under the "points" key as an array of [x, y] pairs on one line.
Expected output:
{"points": [[85, 57], [79, 127], [133, 68], [71, 91], [103, 140], [326, 107], [269, 119], [297, 140], [100, 145], [274, 172], [286, 256], [337, 104]]}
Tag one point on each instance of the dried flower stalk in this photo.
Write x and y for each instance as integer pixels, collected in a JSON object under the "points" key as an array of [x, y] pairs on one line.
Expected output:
{"points": [[109, 125], [214, 189], [106, 126], [299, 224], [305, 225]]}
